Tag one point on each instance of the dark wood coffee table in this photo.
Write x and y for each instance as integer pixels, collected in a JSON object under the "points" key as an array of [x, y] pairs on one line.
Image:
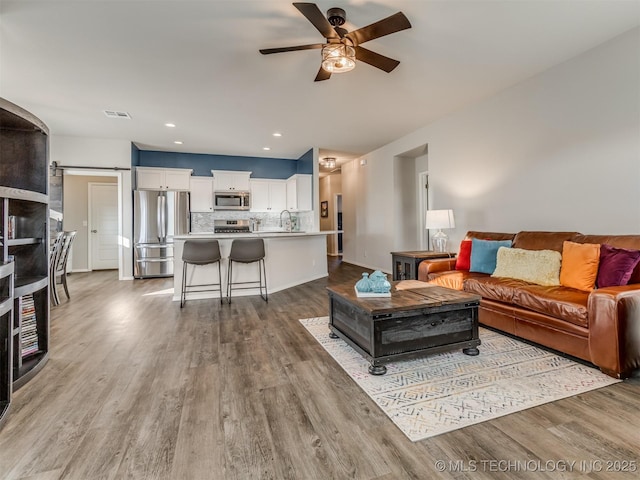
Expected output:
{"points": [[409, 324]]}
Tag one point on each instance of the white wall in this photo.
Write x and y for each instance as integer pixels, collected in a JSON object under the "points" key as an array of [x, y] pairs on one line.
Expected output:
{"points": [[107, 153], [560, 151]]}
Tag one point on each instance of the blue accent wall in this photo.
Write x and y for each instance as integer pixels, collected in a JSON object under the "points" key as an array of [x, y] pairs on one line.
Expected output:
{"points": [[305, 163], [202, 164], [135, 156]]}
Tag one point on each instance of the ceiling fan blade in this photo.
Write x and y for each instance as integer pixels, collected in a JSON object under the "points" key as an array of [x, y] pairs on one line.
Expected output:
{"points": [[386, 26], [317, 18], [375, 59], [267, 51], [322, 75]]}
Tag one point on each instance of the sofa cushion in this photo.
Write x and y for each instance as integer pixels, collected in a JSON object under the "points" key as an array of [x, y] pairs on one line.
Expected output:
{"points": [[452, 279], [489, 235], [541, 267], [484, 253], [616, 266], [463, 261], [631, 242], [493, 288], [435, 265], [579, 265], [542, 240], [568, 304]]}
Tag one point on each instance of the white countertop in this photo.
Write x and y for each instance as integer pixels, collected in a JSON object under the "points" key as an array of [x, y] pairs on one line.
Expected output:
{"points": [[258, 234]]}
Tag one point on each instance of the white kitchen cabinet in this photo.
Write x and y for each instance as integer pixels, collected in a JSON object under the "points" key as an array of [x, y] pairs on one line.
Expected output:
{"points": [[260, 195], [151, 178], [299, 193], [268, 195], [201, 194], [278, 195], [230, 180]]}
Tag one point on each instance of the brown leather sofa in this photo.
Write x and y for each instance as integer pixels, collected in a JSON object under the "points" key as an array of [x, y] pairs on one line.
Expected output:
{"points": [[601, 326]]}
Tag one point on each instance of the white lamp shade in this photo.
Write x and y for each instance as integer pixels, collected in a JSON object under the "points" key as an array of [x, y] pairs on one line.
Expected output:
{"points": [[438, 219]]}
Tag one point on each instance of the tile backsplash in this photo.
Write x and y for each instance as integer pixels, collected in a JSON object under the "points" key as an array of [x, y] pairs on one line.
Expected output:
{"points": [[203, 222]]}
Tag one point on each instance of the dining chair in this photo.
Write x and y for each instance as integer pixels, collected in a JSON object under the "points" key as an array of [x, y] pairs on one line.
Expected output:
{"points": [[59, 266]]}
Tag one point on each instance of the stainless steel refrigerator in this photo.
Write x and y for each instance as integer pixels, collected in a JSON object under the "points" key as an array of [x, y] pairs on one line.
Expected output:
{"points": [[157, 217]]}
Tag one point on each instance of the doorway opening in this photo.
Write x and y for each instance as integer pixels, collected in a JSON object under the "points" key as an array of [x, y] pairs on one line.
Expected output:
{"points": [[337, 202], [330, 215], [410, 197], [76, 210], [423, 179]]}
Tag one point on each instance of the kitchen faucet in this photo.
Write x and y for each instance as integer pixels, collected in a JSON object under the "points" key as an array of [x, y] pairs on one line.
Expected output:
{"points": [[289, 224]]}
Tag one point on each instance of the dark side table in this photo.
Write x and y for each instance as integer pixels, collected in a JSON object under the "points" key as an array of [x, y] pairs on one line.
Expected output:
{"points": [[405, 264]]}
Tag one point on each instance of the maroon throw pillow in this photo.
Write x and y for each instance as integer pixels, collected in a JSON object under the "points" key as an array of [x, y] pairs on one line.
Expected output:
{"points": [[616, 266], [463, 261]]}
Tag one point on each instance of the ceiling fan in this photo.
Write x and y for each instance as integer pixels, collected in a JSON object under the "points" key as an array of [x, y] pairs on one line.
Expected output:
{"points": [[343, 48]]}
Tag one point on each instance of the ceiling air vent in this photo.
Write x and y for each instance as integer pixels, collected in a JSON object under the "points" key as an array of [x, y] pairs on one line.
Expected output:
{"points": [[115, 114]]}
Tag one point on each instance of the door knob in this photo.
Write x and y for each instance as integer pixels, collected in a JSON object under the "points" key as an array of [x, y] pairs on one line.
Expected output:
{"points": [[94, 231]]}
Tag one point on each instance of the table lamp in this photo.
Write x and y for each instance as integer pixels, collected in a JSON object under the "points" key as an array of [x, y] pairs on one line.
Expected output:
{"points": [[439, 219]]}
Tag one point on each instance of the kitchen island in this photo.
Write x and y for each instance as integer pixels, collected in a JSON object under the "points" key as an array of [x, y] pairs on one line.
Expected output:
{"points": [[291, 258]]}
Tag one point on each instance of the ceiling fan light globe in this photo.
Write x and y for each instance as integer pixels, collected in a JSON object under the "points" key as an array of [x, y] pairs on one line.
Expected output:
{"points": [[338, 58]]}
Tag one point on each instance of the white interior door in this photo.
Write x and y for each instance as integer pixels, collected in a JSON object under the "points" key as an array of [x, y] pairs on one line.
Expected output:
{"points": [[103, 226]]}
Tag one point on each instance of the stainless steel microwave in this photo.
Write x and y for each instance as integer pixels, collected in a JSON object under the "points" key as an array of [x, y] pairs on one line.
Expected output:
{"points": [[225, 200]]}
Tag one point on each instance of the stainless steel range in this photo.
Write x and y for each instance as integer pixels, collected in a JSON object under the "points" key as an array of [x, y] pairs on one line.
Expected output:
{"points": [[231, 226]]}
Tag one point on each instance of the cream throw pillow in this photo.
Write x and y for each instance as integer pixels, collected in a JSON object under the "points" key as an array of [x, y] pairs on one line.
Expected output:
{"points": [[541, 267]]}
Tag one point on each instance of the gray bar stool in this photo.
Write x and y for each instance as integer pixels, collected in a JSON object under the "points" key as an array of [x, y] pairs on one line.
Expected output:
{"points": [[200, 252], [247, 250]]}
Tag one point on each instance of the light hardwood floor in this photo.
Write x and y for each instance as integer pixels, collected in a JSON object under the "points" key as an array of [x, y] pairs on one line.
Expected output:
{"points": [[137, 388]]}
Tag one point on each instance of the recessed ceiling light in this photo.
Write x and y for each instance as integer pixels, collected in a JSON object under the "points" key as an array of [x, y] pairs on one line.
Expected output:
{"points": [[277, 134], [178, 142], [266, 148], [170, 125]]}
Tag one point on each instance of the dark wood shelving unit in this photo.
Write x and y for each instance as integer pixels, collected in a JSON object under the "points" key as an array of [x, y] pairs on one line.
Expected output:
{"points": [[24, 249], [6, 333], [27, 285], [24, 241]]}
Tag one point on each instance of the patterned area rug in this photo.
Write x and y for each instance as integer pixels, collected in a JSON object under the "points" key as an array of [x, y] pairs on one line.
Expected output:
{"points": [[447, 391]]}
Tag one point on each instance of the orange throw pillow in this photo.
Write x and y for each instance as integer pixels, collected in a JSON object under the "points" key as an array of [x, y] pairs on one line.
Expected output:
{"points": [[579, 265]]}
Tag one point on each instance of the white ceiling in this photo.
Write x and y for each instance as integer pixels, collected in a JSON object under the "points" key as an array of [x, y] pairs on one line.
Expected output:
{"points": [[196, 64]]}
